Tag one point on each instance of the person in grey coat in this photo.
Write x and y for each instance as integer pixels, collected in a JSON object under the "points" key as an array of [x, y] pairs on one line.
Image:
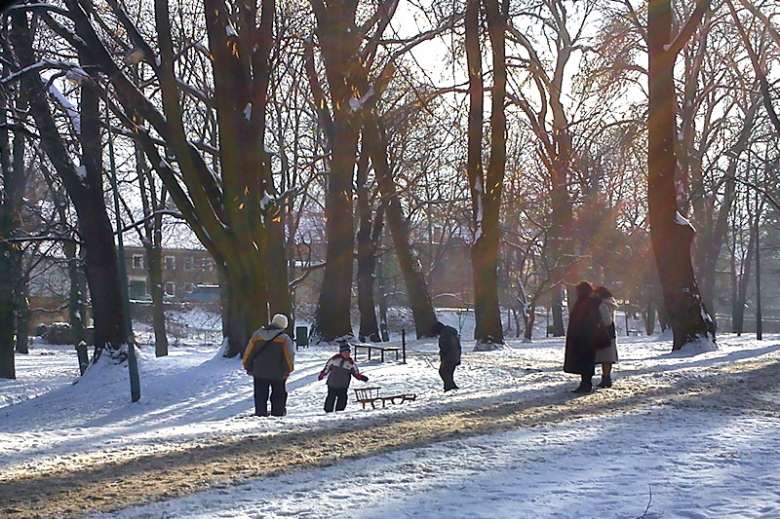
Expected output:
{"points": [[607, 355], [449, 353], [269, 359]]}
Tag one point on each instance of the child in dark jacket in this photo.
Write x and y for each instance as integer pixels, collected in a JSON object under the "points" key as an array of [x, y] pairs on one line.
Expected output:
{"points": [[339, 369]]}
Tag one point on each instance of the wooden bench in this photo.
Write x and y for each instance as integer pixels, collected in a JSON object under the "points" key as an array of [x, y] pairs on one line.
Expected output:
{"points": [[370, 395], [375, 347], [633, 332]]}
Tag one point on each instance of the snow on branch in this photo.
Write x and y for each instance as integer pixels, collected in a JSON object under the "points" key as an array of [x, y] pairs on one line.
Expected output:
{"points": [[40, 66], [70, 110], [681, 220], [356, 104]]}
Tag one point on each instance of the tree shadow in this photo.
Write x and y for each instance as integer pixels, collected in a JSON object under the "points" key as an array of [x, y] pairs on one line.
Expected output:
{"points": [[240, 459]]}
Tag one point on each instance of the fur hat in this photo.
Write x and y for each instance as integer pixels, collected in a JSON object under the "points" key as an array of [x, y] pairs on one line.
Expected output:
{"points": [[344, 346], [280, 321]]}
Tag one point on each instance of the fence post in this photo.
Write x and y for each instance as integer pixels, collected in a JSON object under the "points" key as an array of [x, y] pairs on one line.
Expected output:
{"points": [[83, 357]]}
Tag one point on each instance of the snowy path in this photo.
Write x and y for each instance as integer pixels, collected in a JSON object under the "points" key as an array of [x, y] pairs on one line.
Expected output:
{"points": [[102, 484]]}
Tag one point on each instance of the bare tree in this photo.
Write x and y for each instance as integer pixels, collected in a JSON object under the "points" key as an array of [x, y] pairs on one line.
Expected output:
{"points": [[84, 185], [11, 201], [670, 233], [486, 186]]}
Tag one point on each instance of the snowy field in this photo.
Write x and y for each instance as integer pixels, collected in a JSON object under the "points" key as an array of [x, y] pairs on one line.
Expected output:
{"points": [[689, 454]]}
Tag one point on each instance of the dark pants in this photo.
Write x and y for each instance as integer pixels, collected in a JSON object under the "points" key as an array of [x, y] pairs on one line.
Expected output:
{"points": [[337, 395], [588, 372], [446, 372], [278, 396]]}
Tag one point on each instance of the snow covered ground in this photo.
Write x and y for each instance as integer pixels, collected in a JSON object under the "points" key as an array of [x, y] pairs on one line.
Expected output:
{"points": [[700, 456]]}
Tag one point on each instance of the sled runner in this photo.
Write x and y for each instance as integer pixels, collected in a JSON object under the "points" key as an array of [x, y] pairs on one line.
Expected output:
{"points": [[370, 395]]}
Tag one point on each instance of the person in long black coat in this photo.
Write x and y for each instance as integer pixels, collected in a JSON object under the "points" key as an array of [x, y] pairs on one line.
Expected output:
{"points": [[449, 353], [579, 357]]}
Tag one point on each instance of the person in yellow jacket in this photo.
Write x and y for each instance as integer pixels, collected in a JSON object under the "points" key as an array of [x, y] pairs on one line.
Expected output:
{"points": [[269, 358]]}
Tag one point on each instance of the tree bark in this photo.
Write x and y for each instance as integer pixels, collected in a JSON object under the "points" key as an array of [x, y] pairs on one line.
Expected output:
{"points": [[486, 188], [11, 201], [671, 236], [152, 203], [8, 225], [339, 41], [369, 231]]}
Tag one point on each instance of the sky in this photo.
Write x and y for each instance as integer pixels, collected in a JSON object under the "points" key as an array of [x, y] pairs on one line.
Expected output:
{"points": [[684, 435]]}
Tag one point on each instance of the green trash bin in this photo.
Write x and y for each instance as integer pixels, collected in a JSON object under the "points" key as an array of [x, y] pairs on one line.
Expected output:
{"points": [[301, 337]]}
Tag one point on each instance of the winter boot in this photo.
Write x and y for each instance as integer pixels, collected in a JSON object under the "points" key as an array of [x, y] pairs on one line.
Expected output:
{"points": [[586, 386], [605, 382]]}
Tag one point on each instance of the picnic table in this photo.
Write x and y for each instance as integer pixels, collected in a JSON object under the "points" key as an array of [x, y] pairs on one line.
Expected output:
{"points": [[375, 347], [370, 395]]}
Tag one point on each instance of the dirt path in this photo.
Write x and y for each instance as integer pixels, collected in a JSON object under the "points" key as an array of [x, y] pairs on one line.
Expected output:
{"points": [[106, 485]]}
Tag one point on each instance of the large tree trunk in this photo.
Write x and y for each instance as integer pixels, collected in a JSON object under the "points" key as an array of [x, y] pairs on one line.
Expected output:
{"points": [[367, 237], [11, 283], [256, 272], [7, 364], [332, 317], [8, 226], [671, 236], [17, 182], [339, 41], [244, 315], [484, 256], [486, 188], [408, 259]]}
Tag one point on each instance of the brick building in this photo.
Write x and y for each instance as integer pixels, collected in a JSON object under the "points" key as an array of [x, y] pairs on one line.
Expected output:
{"points": [[182, 270]]}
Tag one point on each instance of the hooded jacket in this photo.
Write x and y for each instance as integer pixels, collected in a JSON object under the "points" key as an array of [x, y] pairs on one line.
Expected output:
{"points": [[340, 371], [449, 345], [269, 360]]}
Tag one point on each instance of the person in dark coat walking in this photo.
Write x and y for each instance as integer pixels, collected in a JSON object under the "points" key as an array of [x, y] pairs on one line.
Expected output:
{"points": [[269, 359], [340, 369], [449, 353], [579, 357]]}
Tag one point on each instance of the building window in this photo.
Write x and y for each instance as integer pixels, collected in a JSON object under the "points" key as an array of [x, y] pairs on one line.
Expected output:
{"points": [[188, 263], [137, 289], [170, 288], [170, 262], [187, 288], [138, 261]]}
